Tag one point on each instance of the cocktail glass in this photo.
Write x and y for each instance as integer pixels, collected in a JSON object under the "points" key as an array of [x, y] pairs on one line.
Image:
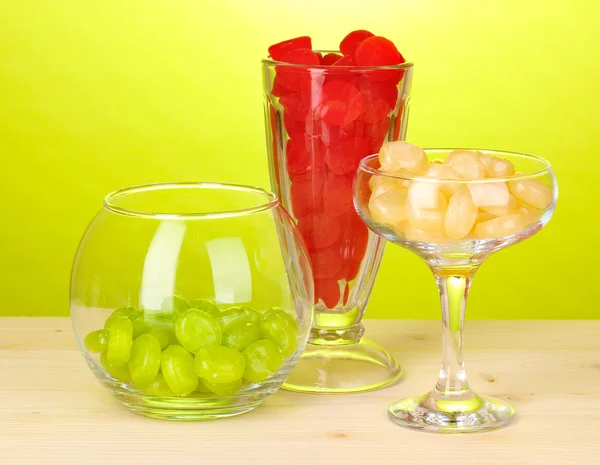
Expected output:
{"points": [[454, 225]]}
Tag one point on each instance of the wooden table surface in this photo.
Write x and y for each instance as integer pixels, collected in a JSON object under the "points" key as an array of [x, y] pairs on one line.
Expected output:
{"points": [[53, 411]]}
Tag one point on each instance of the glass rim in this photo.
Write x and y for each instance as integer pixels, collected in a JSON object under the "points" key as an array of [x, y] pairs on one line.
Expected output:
{"points": [[498, 153], [109, 200], [269, 61]]}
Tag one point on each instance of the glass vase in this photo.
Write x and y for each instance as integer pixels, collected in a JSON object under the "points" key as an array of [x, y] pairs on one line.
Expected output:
{"points": [[320, 122]]}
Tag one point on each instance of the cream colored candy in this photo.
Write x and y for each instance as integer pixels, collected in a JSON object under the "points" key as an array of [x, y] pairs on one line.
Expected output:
{"points": [[389, 207], [438, 170], [382, 184], [466, 163], [529, 214], [495, 167], [460, 214], [532, 192], [500, 227], [489, 194], [428, 219], [419, 235], [507, 209], [398, 155]]}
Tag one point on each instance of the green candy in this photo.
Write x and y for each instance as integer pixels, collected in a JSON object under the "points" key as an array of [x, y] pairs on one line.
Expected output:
{"points": [[118, 313], [241, 336], [263, 359], [96, 341], [253, 315], [282, 313], [219, 364], [164, 336], [232, 317], [174, 305], [159, 387], [120, 373], [195, 329], [120, 338], [206, 306], [276, 327], [144, 362], [222, 389], [177, 366]]}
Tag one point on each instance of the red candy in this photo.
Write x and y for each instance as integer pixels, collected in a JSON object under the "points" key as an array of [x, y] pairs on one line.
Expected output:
{"points": [[326, 263], [346, 294], [351, 269], [278, 51], [337, 195], [378, 51], [293, 127], [379, 99], [328, 290], [296, 77], [350, 43], [297, 106], [329, 59], [303, 154], [343, 158], [341, 103], [347, 60], [319, 231]]}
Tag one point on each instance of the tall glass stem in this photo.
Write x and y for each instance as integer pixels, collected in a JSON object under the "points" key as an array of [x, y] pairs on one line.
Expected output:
{"points": [[453, 285]]}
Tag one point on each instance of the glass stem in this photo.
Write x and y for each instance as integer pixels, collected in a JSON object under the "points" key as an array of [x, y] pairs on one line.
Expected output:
{"points": [[453, 285]]}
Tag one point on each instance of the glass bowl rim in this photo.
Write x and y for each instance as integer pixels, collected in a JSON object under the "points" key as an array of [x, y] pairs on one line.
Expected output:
{"points": [[270, 62], [271, 200], [498, 153]]}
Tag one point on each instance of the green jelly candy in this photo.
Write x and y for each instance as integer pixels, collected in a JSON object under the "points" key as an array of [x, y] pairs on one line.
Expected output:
{"points": [[144, 362], [139, 324], [120, 373], [206, 306], [263, 359], [118, 313], [177, 366], [174, 305], [222, 389], [159, 387], [232, 317], [219, 364], [253, 315], [195, 329], [96, 341], [241, 336], [120, 338], [164, 337], [282, 313], [278, 329]]}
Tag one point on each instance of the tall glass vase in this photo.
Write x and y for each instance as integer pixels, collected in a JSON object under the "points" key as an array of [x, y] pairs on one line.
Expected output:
{"points": [[320, 122]]}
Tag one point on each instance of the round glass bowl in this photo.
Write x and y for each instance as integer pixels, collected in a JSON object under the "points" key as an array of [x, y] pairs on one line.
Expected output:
{"points": [[191, 301]]}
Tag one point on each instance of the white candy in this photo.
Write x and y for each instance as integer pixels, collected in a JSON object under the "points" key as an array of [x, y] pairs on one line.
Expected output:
{"points": [[507, 209], [500, 227], [460, 215], [428, 219], [495, 167], [466, 163], [493, 194], [532, 192], [389, 207], [398, 155]]}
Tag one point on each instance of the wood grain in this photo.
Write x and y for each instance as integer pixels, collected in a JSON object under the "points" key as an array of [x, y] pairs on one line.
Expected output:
{"points": [[53, 411]]}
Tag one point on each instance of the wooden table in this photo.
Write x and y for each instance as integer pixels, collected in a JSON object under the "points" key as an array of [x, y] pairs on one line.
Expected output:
{"points": [[53, 411]]}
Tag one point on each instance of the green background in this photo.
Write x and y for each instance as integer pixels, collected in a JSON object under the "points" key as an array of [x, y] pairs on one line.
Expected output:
{"points": [[99, 95]]}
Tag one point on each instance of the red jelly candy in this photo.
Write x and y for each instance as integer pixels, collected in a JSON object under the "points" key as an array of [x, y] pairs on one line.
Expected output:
{"points": [[351, 41], [353, 242], [279, 50], [329, 133], [326, 263], [293, 127], [377, 134], [304, 154], [278, 89], [297, 105], [341, 103], [297, 77], [330, 59], [379, 99], [379, 51], [346, 294], [343, 158], [351, 269], [305, 196], [337, 194], [319, 230], [328, 290], [347, 60]]}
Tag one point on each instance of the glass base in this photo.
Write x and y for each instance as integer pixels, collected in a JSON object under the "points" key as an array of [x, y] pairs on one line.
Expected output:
{"points": [[342, 369], [467, 413]]}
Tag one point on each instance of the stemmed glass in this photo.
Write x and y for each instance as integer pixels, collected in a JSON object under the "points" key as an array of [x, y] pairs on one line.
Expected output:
{"points": [[453, 208]]}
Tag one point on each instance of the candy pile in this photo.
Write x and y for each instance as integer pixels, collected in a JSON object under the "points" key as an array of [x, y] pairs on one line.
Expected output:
{"points": [[193, 347], [335, 112], [448, 211]]}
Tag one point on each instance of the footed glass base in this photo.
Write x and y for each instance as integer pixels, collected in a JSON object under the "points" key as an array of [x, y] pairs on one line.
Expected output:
{"points": [[465, 413], [344, 368]]}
